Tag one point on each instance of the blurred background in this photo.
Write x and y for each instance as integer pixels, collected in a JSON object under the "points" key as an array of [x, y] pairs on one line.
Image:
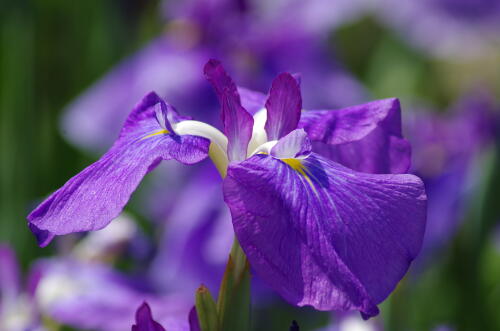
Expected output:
{"points": [[70, 71]]}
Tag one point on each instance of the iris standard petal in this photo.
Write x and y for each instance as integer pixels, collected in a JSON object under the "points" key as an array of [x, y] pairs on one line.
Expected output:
{"points": [[283, 106], [238, 123], [365, 138], [144, 320], [322, 234], [91, 199]]}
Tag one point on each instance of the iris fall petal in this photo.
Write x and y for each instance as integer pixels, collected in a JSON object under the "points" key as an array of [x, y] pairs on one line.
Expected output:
{"points": [[322, 234]]}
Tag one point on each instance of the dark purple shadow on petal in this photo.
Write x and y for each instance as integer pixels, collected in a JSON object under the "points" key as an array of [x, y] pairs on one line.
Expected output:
{"points": [[337, 240], [365, 138], [95, 196], [144, 320], [283, 105], [238, 123]]}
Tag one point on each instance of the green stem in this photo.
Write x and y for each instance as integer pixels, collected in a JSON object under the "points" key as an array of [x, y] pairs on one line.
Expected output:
{"points": [[233, 303]]}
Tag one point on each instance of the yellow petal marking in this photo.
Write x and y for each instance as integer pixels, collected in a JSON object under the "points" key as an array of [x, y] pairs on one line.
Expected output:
{"points": [[296, 165], [163, 131]]}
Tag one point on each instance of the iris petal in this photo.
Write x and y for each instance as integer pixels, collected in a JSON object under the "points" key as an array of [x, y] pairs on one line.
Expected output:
{"points": [[237, 121], [283, 106], [91, 199], [365, 138], [322, 234], [296, 144], [144, 320]]}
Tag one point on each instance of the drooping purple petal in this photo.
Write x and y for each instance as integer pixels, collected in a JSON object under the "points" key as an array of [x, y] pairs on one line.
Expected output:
{"points": [[283, 106], [322, 234], [144, 320], [365, 138], [91, 199], [238, 123], [296, 144]]}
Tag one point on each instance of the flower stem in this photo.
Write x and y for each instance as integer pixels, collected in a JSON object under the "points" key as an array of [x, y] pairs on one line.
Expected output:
{"points": [[233, 304]]}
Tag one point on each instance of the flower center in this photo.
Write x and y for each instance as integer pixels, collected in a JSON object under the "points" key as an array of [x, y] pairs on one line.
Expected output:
{"points": [[218, 141]]}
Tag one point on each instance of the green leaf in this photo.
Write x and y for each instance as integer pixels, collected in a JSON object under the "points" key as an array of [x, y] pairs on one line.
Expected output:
{"points": [[233, 304], [206, 310]]}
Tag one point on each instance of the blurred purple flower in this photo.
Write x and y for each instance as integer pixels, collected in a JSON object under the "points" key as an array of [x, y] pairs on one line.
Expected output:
{"points": [[259, 40], [17, 309], [319, 233], [352, 322], [92, 295], [446, 149], [451, 28]]}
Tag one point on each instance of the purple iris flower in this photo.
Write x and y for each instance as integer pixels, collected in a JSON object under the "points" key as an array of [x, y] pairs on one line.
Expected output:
{"points": [[319, 233], [144, 320]]}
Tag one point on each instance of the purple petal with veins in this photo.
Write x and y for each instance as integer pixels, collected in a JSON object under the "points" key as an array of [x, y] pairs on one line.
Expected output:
{"points": [[237, 121], [365, 137], [283, 105], [321, 234], [95, 196]]}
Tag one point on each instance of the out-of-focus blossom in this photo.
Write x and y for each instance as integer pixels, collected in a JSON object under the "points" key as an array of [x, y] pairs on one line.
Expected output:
{"points": [[351, 322], [446, 149], [317, 232], [451, 28], [17, 309], [144, 320], [259, 39], [82, 291], [92, 295], [101, 244]]}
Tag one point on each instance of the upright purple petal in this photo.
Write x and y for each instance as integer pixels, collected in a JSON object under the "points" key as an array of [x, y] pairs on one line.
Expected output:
{"points": [[91, 199], [322, 234], [238, 123], [144, 320], [365, 138], [283, 106]]}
